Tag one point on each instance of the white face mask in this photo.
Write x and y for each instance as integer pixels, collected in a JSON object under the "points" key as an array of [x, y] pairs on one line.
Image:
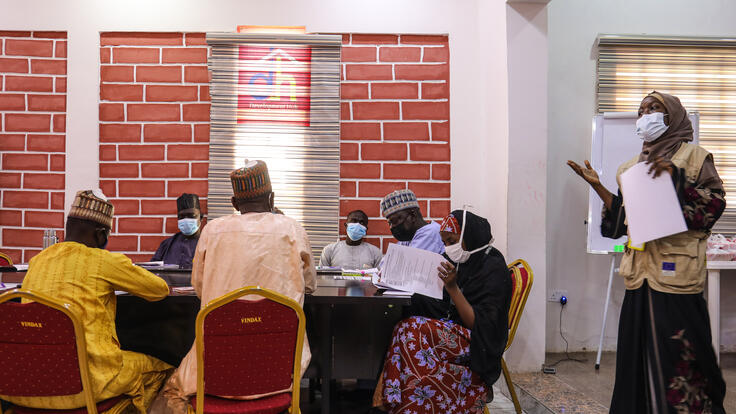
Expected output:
{"points": [[650, 126], [188, 226], [456, 253]]}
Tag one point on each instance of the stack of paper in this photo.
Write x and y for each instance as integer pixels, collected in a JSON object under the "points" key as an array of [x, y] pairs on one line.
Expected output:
{"points": [[411, 270], [329, 270], [359, 272], [396, 293], [151, 264], [159, 265], [350, 277]]}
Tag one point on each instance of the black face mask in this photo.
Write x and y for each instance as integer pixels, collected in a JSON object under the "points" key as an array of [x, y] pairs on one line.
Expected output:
{"points": [[400, 233]]}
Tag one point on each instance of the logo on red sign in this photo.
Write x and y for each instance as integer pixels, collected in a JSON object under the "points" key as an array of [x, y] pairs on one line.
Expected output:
{"points": [[273, 85]]}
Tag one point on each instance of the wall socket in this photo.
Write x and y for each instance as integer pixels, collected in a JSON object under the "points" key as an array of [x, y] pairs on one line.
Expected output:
{"points": [[556, 294]]}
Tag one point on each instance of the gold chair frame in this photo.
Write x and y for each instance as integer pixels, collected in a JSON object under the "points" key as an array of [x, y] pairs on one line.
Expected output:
{"points": [[6, 257], [65, 308], [234, 295], [513, 325]]}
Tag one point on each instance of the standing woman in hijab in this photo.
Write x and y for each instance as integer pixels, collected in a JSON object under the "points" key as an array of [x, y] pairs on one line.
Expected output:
{"points": [[665, 362], [448, 359]]}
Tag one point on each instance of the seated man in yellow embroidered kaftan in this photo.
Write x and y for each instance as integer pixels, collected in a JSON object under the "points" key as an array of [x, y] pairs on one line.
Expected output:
{"points": [[81, 273]]}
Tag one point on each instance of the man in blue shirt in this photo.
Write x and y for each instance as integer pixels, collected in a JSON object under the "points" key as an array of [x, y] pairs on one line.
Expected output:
{"points": [[179, 248], [401, 209]]}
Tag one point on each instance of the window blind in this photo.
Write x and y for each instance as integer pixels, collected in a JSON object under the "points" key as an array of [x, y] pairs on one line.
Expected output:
{"points": [[699, 71], [276, 98]]}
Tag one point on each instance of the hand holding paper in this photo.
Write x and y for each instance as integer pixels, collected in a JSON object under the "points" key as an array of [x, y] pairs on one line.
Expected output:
{"points": [[448, 274], [652, 208]]}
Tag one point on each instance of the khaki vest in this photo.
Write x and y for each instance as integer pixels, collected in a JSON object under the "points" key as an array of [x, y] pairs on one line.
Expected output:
{"points": [[676, 263]]}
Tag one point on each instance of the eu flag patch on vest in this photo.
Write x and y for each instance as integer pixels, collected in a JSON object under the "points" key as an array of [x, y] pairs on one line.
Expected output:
{"points": [[668, 268]]}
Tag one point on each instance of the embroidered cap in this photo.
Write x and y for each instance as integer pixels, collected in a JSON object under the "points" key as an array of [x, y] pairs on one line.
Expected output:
{"points": [[251, 181], [92, 205], [397, 201], [450, 225]]}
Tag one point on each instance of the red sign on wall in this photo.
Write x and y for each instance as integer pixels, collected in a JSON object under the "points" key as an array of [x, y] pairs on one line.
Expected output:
{"points": [[273, 85]]}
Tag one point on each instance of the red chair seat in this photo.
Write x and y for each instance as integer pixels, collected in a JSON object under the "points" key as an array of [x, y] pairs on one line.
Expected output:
{"points": [[273, 404], [102, 406]]}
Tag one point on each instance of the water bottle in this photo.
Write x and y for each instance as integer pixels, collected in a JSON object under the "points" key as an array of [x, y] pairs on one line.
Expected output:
{"points": [[49, 238]]}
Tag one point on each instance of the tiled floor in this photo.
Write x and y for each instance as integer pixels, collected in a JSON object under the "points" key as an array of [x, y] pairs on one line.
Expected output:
{"points": [[728, 368], [352, 401], [571, 391], [578, 388], [500, 403]]}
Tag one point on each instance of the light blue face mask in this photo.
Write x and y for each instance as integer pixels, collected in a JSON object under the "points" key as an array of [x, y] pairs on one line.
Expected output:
{"points": [[188, 226], [356, 231]]}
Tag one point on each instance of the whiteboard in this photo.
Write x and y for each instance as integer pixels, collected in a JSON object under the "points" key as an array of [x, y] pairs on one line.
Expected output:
{"points": [[614, 143]]}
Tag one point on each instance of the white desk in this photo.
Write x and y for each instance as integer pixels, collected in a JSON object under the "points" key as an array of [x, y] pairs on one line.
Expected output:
{"points": [[713, 296]]}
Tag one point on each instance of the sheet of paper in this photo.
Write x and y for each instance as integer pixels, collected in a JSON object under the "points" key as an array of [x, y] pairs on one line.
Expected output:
{"points": [[151, 264], [411, 270], [329, 270], [652, 208], [184, 290], [396, 293], [348, 277]]}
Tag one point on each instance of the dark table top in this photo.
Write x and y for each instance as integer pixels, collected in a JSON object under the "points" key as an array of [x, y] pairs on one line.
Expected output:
{"points": [[329, 290], [351, 292]]}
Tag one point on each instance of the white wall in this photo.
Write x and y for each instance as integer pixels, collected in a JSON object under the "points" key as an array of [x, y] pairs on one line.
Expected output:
{"points": [[477, 67], [478, 79], [527, 62], [573, 28]]}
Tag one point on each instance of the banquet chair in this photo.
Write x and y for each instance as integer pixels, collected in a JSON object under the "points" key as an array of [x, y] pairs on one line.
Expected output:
{"points": [[5, 260], [249, 348], [521, 284], [43, 353]]}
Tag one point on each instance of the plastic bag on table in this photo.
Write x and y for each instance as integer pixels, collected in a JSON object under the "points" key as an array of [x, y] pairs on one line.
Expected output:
{"points": [[718, 255], [720, 248], [718, 241]]}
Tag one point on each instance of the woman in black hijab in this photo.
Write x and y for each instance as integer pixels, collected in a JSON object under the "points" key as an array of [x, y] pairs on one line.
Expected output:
{"points": [[665, 362], [448, 355]]}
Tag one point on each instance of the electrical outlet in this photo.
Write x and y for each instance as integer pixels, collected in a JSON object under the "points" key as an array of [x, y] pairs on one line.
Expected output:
{"points": [[556, 295]]}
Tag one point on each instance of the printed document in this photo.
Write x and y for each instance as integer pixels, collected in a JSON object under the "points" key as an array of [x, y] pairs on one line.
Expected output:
{"points": [[652, 208], [411, 270]]}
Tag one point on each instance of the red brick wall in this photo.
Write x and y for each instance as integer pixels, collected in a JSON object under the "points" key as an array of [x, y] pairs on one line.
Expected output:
{"points": [[154, 128], [154, 132], [32, 139], [395, 125]]}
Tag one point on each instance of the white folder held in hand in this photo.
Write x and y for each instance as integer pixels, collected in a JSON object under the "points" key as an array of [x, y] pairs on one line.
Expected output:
{"points": [[652, 208]]}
